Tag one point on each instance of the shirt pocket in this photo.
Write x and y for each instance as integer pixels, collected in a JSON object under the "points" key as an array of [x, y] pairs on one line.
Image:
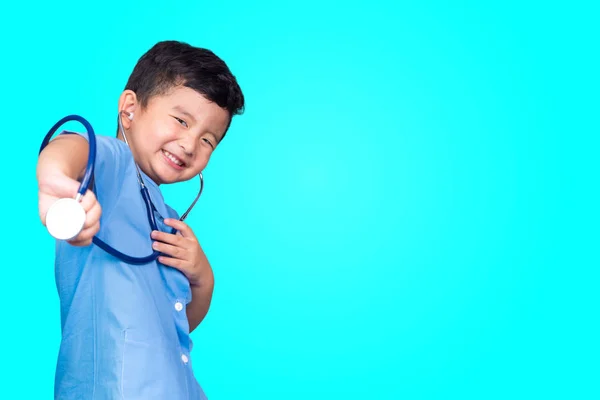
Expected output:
{"points": [[151, 369]]}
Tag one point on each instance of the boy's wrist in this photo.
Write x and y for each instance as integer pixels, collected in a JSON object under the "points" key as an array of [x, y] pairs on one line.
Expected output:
{"points": [[204, 280]]}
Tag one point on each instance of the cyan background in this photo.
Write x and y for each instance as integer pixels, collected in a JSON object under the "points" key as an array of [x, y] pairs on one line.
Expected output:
{"points": [[407, 210]]}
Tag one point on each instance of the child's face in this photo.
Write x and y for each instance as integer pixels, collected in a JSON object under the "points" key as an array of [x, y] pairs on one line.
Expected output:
{"points": [[173, 138]]}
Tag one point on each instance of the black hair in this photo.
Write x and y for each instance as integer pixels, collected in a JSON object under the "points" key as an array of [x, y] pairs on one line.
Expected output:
{"points": [[172, 63]]}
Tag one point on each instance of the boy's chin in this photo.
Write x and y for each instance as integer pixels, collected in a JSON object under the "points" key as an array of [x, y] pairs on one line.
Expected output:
{"points": [[168, 179]]}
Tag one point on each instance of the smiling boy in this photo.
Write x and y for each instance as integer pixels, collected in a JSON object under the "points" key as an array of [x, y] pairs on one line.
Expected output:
{"points": [[125, 328]]}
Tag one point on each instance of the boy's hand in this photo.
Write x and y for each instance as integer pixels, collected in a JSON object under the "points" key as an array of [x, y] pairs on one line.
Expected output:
{"points": [[52, 187], [184, 251]]}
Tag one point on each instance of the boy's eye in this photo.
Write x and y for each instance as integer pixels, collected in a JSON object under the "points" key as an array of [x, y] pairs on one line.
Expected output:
{"points": [[209, 142], [182, 122]]}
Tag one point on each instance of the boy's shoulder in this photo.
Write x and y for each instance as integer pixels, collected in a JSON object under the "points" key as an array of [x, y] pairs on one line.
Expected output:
{"points": [[115, 145], [106, 145]]}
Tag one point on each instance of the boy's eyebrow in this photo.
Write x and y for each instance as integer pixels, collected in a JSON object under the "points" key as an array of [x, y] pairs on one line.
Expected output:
{"points": [[184, 112]]}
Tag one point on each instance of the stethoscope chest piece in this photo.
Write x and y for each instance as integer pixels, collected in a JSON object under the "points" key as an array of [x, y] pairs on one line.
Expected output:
{"points": [[65, 219]]}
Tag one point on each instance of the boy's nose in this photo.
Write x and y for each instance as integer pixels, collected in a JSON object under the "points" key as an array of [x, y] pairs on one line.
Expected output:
{"points": [[186, 151], [188, 147]]}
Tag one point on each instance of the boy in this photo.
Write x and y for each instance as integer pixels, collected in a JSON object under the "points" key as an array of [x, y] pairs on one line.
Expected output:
{"points": [[125, 328]]}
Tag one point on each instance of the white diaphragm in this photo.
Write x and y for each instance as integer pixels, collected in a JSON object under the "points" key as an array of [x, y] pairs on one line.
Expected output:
{"points": [[65, 219]]}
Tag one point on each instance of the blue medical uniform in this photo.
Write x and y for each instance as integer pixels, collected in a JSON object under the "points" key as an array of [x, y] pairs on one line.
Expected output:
{"points": [[125, 334]]}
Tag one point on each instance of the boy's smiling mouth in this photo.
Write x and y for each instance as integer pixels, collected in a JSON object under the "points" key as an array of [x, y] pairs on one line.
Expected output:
{"points": [[173, 160]]}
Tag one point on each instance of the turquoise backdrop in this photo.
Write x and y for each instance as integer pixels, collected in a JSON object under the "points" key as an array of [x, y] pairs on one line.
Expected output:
{"points": [[407, 209]]}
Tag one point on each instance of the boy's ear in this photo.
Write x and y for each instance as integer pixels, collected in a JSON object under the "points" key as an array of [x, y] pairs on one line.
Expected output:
{"points": [[128, 104]]}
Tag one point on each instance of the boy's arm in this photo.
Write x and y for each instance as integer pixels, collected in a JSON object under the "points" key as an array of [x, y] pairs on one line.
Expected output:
{"points": [[66, 155], [201, 298]]}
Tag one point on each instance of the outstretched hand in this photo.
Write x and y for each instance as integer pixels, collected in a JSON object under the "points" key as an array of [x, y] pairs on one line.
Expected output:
{"points": [[52, 187]]}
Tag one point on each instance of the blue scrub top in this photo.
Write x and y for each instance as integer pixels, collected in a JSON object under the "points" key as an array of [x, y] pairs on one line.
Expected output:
{"points": [[125, 333]]}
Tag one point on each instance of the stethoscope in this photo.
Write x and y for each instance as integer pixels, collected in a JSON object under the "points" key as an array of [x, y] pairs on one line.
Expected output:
{"points": [[65, 217]]}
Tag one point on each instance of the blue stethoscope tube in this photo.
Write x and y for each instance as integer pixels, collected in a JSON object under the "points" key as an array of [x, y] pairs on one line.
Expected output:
{"points": [[85, 182], [89, 169]]}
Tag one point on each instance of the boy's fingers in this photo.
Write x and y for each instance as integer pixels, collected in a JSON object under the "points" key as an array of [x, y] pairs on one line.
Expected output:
{"points": [[88, 233], [173, 251], [88, 201], [181, 226], [80, 242], [166, 237], [85, 236], [93, 215], [173, 262]]}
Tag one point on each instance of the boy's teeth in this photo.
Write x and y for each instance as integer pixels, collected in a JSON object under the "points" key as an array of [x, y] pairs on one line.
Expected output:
{"points": [[173, 158]]}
